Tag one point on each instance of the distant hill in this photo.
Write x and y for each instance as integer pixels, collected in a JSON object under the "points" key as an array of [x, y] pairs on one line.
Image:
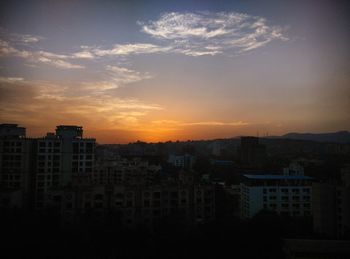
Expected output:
{"points": [[335, 137]]}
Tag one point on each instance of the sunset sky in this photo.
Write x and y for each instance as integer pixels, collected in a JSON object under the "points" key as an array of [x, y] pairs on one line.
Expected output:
{"points": [[175, 70]]}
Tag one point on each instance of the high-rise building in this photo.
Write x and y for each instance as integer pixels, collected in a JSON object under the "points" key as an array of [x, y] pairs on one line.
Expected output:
{"points": [[16, 167], [62, 158]]}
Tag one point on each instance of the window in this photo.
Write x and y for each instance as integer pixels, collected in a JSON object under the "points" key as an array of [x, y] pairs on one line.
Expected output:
{"points": [[295, 198], [98, 196], [306, 198], [146, 203], [156, 195]]}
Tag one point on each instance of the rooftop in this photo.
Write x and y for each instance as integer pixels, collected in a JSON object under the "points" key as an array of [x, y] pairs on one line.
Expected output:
{"points": [[277, 177]]}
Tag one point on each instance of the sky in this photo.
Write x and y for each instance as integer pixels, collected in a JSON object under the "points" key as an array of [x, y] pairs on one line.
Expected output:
{"points": [[175, 70]]}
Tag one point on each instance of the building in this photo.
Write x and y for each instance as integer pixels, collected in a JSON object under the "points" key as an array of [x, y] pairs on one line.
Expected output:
{"points": [[124, 172], [308, 248], [182, 161], [251, 152], [331, 207], [293, 169], [61, 159], [34, 165], [284, 194], [134, 206], [16, 161]]}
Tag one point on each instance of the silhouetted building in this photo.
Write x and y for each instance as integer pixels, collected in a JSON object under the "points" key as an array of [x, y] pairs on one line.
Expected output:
{"points": [[293, 169], [135, 205], [251, 152], [124, 172], [16, 161], [312, 249], [62, 159], [182, 161], [331, 207]]}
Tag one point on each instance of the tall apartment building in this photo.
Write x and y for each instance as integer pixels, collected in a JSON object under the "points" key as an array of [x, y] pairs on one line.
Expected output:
{"points": [[284, 194], [34, 165], [331, 207], [62, 158], [16, 156]]}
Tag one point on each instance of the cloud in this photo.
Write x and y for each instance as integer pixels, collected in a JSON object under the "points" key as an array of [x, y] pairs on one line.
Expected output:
{"points": [[127, 49], [208, 33], [178, 125], [11, 79], [115, 77], [24, 39], [124, 75], [191, 34], [40, 103], [199, 34], [217, 123], [57, 60], [83, 55]]}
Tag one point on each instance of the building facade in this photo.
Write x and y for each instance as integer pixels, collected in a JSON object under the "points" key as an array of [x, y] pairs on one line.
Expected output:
{"points": [[331, 207], [284, 194]]}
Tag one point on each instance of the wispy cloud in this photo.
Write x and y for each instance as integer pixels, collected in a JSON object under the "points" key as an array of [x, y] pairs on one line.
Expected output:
{"points": [[57, 60], [200, 33], [19, 38], [127, 49], [83, 55], [216, 123], [115, 77], [26, 38], [176, 125], [208, 33], [25, 101], [126, 76], [191, 34]]}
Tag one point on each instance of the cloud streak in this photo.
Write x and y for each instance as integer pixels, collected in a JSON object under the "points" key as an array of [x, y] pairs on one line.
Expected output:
{"points": [[42, 102], [199, 34], [208, 33], [57, 60]]}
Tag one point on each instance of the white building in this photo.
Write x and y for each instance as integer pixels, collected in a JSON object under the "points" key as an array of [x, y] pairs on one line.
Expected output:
{"points": [[284, 194], [182, 161]]}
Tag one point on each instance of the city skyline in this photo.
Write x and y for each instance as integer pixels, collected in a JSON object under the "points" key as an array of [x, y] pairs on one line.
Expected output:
{"points": [[175, 71]]}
